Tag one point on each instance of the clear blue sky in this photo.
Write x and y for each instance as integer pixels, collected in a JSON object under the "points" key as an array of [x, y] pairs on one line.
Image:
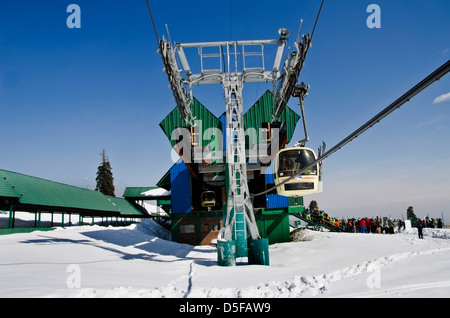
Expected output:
{"points": [[66, 94]]}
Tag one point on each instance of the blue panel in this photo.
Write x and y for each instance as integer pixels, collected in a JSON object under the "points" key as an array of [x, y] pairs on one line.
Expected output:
{"points": [[275, 201], [180, 188], [269, 175], [223, 121]]}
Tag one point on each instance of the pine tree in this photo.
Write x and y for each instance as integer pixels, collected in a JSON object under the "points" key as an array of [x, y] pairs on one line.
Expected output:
{"points": [[313, 205], [105, 180], [410, 215]]}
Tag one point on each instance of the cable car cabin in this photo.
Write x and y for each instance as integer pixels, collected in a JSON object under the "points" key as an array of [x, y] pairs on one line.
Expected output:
{"points": [[208, 199], [288, 162]]}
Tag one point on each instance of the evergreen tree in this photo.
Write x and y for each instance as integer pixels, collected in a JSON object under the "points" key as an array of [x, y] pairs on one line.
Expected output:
{"points": [[105, 180], [410, 215], [313, 205]]}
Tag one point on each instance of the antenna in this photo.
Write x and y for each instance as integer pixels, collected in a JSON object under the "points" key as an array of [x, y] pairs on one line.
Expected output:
{"points": [[297, 39], [168, 35]]}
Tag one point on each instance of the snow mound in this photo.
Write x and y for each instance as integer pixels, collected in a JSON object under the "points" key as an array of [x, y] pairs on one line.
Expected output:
{"points": [[303, 234], [152, 228], [431, 232]]}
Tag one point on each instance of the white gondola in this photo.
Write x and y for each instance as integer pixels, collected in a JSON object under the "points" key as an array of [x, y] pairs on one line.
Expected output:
{"points": [[290, 161]]}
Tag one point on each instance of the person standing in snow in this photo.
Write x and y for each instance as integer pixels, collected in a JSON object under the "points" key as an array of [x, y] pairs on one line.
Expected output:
{"points": [[391, 226], [399, 225], [378, 225], [362, 225], [420, 228]]}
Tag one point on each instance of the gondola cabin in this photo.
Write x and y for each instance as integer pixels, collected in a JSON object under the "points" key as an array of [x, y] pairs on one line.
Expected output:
{"points": [[208, 199], [287, 163]]}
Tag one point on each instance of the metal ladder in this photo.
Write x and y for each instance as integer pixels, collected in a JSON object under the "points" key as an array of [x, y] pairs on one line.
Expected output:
{"points": [[240, 215]]}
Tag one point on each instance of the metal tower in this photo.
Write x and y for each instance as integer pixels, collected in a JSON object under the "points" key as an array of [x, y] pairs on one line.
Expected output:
{"points": [[231, 64]]}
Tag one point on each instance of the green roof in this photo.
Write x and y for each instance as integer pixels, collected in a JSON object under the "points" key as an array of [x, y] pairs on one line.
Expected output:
{"points": [[262, 111], [124, 207], [164, 182], [173, 120], [137, 192], [35, 193], [7, 190]]}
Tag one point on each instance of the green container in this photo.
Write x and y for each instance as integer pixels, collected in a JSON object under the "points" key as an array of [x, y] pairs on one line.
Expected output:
{"points": [[226, 253], [274, 225], [258, 251]]}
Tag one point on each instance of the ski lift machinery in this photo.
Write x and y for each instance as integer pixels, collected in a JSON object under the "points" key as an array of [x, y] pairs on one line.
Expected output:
{"points": [[304, 177]]}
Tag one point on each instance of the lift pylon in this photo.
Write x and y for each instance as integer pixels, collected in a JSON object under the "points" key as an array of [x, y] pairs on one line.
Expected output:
{"points": [[228, 63]]}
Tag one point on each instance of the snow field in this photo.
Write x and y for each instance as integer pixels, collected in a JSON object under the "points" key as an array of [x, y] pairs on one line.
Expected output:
{"points": [[139, 261]]}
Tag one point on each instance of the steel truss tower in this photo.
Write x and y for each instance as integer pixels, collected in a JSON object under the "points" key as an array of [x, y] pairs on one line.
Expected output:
{"points": [[231, 63]]}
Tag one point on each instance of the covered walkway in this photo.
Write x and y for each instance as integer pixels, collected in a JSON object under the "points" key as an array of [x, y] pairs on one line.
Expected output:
{"points": [[19, 192]]}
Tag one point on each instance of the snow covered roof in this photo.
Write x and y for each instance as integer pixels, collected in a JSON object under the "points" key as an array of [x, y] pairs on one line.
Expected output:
{"points": [[143, 193], [157, 192]]}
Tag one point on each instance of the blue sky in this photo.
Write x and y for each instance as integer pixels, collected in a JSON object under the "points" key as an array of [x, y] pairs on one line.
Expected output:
{"points": [[66, 94]]}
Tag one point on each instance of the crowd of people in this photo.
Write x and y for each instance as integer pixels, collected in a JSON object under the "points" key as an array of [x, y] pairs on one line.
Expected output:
{"points": [[427, 222], [365, 224]]}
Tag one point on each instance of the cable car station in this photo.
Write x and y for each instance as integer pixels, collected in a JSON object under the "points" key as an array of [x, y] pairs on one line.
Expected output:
{"points": [[234, 181], [230, 195]]}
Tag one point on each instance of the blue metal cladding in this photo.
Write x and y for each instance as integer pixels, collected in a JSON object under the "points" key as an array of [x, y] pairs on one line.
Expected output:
{"points": [[181, 188], [275, 201], [223, 121], [269, 175]]}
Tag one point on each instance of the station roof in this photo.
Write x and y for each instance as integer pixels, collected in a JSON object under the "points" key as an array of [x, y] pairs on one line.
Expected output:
{"points": [[174, 120], [261, 112], [146, 193], [135, 192], [28, 193]]}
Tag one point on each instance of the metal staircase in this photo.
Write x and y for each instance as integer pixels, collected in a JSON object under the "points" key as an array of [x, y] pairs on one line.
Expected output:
{"points": [[317, 225]]}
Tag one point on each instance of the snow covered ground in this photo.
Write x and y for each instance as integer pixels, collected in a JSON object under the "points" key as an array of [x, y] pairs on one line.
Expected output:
{"points": [[139, 261]]}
